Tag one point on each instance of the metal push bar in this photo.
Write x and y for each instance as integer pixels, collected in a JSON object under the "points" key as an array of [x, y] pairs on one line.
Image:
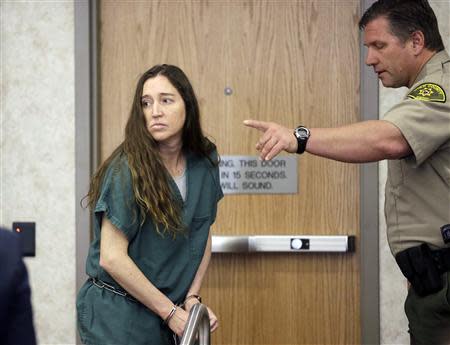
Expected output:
{"points": [[284, 243]]}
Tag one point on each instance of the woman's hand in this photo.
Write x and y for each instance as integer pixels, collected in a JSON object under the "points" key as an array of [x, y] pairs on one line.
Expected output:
{"points": [[177, 322], [190, 303], [213, 322]]}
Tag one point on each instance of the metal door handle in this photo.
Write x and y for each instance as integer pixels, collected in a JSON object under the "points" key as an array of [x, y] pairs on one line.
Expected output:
{"points": [[197, 324], [284, 243]]}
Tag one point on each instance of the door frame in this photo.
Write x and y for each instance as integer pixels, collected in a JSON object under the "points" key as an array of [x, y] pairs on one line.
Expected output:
{"points": [[87, 148], [369, 203]]}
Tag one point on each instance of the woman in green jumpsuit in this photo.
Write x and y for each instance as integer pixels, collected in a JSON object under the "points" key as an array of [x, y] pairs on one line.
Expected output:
{"points": [[154, 200]]}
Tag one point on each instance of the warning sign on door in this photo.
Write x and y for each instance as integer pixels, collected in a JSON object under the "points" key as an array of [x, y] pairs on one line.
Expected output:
{"points": [[250, 175]]}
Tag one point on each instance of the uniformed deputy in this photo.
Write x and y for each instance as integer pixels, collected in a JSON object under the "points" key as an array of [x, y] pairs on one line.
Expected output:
{"points": [[405, 49], [154, 200]]}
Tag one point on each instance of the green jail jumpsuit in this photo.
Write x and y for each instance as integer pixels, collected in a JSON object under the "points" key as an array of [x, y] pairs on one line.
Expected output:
{"points": [[170, 264]]}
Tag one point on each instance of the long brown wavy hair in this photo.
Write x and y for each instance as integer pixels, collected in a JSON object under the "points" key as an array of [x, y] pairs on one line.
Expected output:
{"points": [[149, 176]]}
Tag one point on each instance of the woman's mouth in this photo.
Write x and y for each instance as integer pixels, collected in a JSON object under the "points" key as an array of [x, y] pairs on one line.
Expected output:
{"points": [[158, 126]]}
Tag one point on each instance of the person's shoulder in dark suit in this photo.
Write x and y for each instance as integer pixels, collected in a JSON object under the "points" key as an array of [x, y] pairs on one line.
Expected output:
{"points": [[16, 316]]}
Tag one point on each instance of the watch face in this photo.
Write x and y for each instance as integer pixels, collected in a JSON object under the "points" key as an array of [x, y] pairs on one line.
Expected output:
{"points": [[302, 133]]}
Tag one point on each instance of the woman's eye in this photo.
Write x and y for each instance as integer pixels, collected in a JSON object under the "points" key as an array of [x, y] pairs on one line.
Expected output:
{"points": [[146, 104], [167, 100]]}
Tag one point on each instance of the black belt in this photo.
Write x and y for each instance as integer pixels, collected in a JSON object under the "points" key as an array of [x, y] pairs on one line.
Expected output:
{"points": [[102, 285]]}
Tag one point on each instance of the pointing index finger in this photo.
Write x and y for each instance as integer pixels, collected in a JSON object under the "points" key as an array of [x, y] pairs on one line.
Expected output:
{"points": [[260, 125]]}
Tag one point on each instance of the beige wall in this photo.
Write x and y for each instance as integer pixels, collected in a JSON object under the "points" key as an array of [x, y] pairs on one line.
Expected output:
{"points": [[37, 171], [393, 288]]}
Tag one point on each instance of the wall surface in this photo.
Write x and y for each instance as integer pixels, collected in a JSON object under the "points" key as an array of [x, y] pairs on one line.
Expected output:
{"points": [[393, 286], [37, 167]]}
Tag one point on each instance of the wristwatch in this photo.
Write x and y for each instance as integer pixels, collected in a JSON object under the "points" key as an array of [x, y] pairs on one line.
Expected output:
{"points": [[302, 135]]}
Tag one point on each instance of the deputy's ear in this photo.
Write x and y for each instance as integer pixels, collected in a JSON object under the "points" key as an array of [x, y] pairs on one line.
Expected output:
{"points": [[418, 41]]}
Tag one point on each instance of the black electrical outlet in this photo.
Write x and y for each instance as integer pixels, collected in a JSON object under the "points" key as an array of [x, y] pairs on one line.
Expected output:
{"points": [[27, 235]]}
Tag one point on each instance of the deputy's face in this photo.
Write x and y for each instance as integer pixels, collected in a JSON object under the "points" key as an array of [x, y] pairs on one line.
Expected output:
{"points": [[390, 58]]}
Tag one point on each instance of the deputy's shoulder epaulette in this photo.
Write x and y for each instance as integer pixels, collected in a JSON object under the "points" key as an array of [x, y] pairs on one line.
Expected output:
{"points": [[430, 92]]}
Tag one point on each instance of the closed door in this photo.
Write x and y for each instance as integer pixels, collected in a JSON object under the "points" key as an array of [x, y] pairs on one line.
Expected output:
{"points": [[293, 62]]}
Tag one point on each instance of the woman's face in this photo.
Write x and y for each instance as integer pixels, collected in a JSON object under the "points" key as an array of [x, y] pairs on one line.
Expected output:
{"points": [[164, 110]]}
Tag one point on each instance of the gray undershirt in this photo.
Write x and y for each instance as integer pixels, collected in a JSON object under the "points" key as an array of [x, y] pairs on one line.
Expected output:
{"points": [[181, 184]]}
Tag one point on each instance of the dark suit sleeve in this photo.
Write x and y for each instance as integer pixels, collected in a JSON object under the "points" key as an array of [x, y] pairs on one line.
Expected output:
{"points": [[19, 322]]}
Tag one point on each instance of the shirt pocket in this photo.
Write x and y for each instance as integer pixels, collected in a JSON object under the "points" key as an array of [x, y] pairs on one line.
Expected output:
{"points": [[198, 235]]}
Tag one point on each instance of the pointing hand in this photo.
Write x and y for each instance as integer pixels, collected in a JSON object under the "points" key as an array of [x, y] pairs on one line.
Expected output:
{"points": [[275, 138]]}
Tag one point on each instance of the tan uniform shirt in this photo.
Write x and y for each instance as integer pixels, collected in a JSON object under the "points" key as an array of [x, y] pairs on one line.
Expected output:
{"points": [[418, 186]]}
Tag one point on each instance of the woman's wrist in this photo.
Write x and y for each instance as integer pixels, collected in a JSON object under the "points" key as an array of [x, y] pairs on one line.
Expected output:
{"points": [[190, 300], [196, 297], [170, 315]]}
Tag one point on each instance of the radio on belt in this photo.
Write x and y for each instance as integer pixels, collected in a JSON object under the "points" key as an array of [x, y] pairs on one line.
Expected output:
{"points": [[299, 243]]}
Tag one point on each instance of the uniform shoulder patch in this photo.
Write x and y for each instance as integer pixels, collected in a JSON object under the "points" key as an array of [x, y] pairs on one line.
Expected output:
{"points": [[430, 92]]}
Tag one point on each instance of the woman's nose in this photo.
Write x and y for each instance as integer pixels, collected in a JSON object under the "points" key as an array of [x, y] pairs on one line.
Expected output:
{"points": [[156, 109]]}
